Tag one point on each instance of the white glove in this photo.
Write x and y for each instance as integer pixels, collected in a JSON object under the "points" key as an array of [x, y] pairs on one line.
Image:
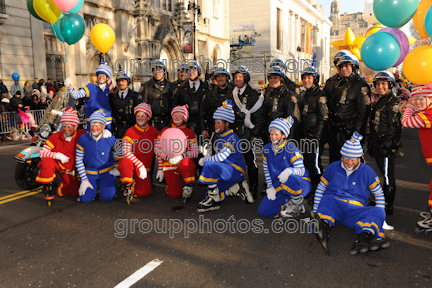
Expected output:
{"points": [[175, 160], [284, 175], [206, 151], [63, 158], [271, 194], [107, 133], [114, 172], [67, 82], [160, 175], [83, 187], [143, 173], [201, 161]]}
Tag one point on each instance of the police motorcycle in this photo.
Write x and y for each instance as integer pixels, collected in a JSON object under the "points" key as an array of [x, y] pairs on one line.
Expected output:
{"points": [[28, 159]]}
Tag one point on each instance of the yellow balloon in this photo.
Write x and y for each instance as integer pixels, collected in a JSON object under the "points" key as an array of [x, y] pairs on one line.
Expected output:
{"points": [[373, 29], [419, 17], [418, 64], [102, 37], [47, 10]]}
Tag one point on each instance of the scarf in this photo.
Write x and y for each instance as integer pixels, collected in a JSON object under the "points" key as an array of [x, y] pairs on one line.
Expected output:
{"points": [[258, 104]]}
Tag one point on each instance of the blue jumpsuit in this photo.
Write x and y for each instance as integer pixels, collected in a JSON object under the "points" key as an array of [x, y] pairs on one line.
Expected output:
{"points": [[228, 172], [299, 183], [98, 160], [343, 200]]}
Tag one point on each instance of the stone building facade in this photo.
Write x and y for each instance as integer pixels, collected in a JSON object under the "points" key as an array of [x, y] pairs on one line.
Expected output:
{"points": [[144, 30], [292, 30], [341, 22]]}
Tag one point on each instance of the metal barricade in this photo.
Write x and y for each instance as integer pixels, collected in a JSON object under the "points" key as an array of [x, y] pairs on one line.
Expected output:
{"points": [[10, 122]]}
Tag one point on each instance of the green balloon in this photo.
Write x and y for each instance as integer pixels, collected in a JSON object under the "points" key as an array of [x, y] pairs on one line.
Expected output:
{"points": [[31, 10], [393, 13], [72, 28]]}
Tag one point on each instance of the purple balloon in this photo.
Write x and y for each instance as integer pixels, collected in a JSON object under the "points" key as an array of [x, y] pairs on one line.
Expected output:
{"points": [[402, 39]]}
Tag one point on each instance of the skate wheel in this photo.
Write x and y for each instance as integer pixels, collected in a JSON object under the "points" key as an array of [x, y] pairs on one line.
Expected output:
{"points": [[129, 199], [354, 252], [418, 230], [49, 203]]}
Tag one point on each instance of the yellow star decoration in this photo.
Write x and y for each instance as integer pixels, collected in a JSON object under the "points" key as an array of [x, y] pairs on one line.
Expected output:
{"points": [[350, 43]]}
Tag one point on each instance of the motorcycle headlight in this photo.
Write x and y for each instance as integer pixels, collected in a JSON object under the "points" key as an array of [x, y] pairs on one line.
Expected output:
{"points": [[45, 131]]}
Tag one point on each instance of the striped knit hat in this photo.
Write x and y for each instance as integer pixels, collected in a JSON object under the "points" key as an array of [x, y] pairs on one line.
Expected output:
{"points": [[225, 112], [69, 117], [183, 110], [143, 107], [282, 124], [421, 90], [104, 69], [352, 148], [98, 116]]}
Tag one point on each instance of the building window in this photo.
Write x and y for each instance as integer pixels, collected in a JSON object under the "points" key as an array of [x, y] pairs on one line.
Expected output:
{"points": [[158, 3], [164, 5], [215, 8], [169, 5], [279, 29]]}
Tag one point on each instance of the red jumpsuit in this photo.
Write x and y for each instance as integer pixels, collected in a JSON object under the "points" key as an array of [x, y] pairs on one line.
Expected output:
{"points": [[185, 169], [138, 149], [49, 166], [422, 121]]}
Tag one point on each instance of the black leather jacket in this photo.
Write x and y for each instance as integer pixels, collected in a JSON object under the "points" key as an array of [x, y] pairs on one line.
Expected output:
{"points": [[185, 95], [349, 105], [249, 97], [212, 100], [159, 95], [385, 127], [281, 102], [122, 110], [314, 113]]}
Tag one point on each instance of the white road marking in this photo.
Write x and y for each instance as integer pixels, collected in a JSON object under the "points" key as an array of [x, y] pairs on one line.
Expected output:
{"points": [[135, 277]]}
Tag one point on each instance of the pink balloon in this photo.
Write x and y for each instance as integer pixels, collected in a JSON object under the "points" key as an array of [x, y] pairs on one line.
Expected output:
{"points": [[403, 42], [66, 5], [173, 142]]}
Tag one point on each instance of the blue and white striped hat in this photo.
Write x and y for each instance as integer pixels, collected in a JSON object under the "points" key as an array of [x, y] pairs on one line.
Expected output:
{"points": [[282, 124], [104, 69], [352, 148], [225, 112], [98, 116]]}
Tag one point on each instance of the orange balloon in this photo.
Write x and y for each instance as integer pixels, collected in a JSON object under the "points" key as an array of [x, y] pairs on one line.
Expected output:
{"points": [[418, 64], [419, 17]]}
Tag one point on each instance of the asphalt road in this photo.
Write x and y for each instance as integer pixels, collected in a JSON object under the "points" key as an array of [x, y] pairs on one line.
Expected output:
{"points": [[101, 244]]}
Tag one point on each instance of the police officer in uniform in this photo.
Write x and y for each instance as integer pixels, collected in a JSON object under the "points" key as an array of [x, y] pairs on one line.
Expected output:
{"points": [[349, 106], [123, 102], [330, 84], [249, 121], [385, 134], [291, 85], [314, 116], [279, 102], [181, 75], [159, 92], [191, 92], [213, 99]]}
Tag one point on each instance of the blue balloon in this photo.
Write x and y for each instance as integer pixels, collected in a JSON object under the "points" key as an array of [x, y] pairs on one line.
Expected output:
{"points": [[15, 76], [77, 8], [428, 22], [55, 29], [380, 51]]}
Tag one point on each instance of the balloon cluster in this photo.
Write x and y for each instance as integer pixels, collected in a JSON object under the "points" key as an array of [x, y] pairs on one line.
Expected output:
{"points": [[386, 47], [67, 25]]}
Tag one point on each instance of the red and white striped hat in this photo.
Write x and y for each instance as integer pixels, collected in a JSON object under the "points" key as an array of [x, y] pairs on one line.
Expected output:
{"points": [[69, 117], [421, 90], [183, 110], [143, 107]]}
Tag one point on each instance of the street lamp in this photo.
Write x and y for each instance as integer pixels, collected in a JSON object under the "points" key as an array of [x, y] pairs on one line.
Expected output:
{"points": [[298, 63], [196, 10]]}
